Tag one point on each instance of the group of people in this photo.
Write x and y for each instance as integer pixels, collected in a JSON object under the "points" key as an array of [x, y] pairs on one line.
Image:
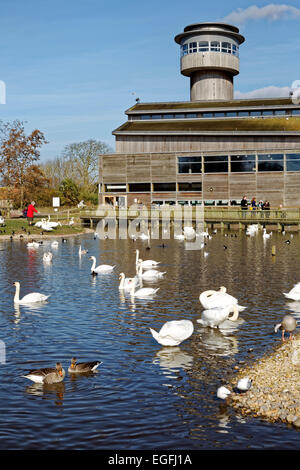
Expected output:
{"points": [[253, 205]]}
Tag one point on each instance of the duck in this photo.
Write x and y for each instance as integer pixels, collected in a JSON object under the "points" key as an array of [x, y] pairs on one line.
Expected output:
{"points": [[288, 323], [101, 269], [218, 299], [149, 263], [216, 316], [81, 251], [29, 298], [83, 366], [150, 274], [47, 256], [126, 282], [47, 375], [294, 293], [143, 292], [173, 332]]}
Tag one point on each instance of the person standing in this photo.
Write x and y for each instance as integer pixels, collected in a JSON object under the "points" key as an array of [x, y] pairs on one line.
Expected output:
{"points": [[244, 205], [30, 212]]}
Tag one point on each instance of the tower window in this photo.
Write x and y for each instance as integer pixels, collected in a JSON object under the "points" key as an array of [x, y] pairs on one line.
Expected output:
{"points": [[226, 47], [215, 46], [192, 47], [203, 46]]}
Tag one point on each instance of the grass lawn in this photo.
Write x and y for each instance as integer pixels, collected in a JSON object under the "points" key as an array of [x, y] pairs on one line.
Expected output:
{"points": [[20, 226]]}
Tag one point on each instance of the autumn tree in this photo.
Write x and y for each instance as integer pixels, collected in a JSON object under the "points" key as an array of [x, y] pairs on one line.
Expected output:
{"points": [[18, 152]]}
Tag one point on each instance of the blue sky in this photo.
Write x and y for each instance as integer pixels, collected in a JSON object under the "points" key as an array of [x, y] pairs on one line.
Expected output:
{"points": [[72, 68]]}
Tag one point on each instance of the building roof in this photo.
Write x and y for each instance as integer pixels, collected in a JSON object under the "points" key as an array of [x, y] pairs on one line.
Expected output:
{"points": [[202, 105], [199, 126]]}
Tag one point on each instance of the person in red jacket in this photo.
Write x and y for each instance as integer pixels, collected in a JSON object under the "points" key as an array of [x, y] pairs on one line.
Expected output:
{"points": [[30, 212]]}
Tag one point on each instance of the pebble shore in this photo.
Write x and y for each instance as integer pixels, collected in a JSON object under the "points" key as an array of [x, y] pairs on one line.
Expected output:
{"points": [[275, 391]]}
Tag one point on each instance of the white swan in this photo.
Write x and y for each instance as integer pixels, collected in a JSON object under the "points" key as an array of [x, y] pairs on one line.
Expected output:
{"points": [[149, 263], [2, 220], [216, 316], [150, 274], [294, 293], [71, 222], [47, 256], [54, 244], [143, 292], [173, 332], [52, 224], [265, 234], [33, 244], [29, 298], [82, 252], [127, 282], [102, 268], [218, 299]]}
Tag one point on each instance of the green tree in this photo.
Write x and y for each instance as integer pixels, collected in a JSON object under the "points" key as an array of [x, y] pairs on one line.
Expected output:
{"points": [[69, 192]]}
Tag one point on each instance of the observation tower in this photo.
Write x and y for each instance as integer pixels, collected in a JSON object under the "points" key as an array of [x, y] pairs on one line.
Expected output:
{"points": [[210, 57]]}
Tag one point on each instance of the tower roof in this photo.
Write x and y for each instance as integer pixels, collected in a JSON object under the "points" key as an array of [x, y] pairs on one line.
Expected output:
{"points": [[210, 27]]}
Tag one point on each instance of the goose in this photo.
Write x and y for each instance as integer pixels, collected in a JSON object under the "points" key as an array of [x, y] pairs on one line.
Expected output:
{"points": [[266, 235], [149, 274], [126, 282], [223, 392], [82, 252], [29, 298], [149, 263], [244, 384], [218, 299], [294, 293], [47, 256], [143, 292], [216, 316], [288, 323], [54, 244], [83, 366], [102, 268], [48, 375], [173, 332]]}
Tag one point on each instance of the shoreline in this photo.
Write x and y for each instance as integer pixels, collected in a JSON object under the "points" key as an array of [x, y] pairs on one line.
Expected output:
{"points": [[24, 236]]}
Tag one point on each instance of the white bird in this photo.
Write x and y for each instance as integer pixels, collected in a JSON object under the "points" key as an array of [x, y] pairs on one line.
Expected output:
{"points": [[150, 274], [71, 222], [47, 256], [265, 234], [102, 268], [53, 224], [143, 292], [54, 244], [294, 293], [82, 252], [127, 282], [223, 392], [173, 332], [33, 244], [149, 263], [2, 220], [218, 299], [216, 316], [244, 384], [29, 298]]}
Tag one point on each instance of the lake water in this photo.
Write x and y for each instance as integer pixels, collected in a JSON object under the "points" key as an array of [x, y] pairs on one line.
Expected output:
{"points": [[145, 396]]}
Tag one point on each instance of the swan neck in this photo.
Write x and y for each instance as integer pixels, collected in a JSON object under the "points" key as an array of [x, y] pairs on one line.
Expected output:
{"points": [[137, 257], [121, 286], [235, 315], [17, 293], [94, 263]]}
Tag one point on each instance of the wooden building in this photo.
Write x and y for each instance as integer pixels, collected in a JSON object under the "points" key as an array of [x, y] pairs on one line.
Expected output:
{"points": [[212, 151]]}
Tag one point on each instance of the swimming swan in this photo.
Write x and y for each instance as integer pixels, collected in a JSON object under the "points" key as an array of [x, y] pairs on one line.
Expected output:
{"points": [[47, 375], [173, 332], [266, 235], [294, 293], [150, 274], [102, 268], [82, 252], [127, 282], [47, 256], [149, 263], [29, 298], [216, 316], [218, 299], [143, 292]]}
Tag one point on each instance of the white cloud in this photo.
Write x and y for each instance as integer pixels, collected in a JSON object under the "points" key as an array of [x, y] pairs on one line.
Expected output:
{"points": [[271, 12], [266, 92]]}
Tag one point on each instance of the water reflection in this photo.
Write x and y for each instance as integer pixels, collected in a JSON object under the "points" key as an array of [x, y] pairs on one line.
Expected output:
{"points": [[47, 391], [217, 343], [173, 358]]}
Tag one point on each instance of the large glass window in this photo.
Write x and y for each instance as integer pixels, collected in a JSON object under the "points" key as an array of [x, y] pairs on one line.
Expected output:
{"points": [[192, 47], [156, 116], [184, 49], [189, 165], [215, 46], [235, 50], [270, 162], [197, 186], [267, 113], [293, 162], [203, 46], [226, 47], [255, 113], [191, 115], [216, 164], [243, 163], [164, 187], [296, 112], [145, 116], [139, 187], [207, 115]]}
